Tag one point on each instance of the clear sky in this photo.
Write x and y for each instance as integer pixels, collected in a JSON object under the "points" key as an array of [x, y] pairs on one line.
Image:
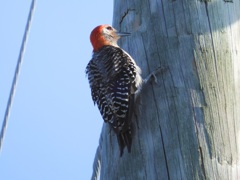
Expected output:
{"points": [[54, 128]]}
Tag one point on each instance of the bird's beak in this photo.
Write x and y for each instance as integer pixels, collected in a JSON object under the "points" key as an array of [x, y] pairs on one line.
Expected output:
{"points": [[122, 34]]}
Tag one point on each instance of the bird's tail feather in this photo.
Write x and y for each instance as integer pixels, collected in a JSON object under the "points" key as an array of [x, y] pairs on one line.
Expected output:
{"points": [[125, 139]]}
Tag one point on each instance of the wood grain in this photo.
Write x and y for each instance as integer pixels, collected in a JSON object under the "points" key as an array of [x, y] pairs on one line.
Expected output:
{"points": [[188, 125]]}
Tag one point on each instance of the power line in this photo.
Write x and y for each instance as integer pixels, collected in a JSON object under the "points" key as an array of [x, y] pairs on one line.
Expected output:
{"points": [[17, 70]]}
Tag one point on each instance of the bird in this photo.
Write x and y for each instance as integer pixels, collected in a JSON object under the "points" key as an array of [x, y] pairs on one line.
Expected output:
{"points": [[115, 82]]}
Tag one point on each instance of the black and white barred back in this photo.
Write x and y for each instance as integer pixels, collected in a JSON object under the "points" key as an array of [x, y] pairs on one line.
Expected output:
{"points": [[114, 79]]}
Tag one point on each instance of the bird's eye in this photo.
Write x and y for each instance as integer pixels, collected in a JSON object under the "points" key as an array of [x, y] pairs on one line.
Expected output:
{"points": [[109, 28]]}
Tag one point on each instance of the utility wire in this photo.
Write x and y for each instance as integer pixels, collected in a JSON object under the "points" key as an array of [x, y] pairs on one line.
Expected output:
{"points": [[17, 70]]}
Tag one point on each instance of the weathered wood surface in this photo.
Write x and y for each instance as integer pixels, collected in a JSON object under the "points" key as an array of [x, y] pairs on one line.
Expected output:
{"points": [[188, 126]]}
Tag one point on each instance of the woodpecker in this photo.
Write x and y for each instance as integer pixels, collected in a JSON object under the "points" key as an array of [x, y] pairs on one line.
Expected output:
{"points": [[115, 81]]}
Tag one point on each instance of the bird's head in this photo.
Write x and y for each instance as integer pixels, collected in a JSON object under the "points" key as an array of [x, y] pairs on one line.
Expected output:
{"points": [[105, 35]]}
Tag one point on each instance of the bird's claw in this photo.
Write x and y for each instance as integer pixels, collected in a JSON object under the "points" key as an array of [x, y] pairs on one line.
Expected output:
{"points": [[154, 73]]}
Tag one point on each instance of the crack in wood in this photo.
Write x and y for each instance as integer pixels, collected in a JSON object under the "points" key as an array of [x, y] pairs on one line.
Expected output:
{"points": [[205, 1], [160, 129], [142, 153], [202, 162], [125, 14]]}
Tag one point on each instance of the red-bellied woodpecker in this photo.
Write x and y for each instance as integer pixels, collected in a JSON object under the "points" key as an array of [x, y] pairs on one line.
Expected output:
{"points": [[114, 80]]}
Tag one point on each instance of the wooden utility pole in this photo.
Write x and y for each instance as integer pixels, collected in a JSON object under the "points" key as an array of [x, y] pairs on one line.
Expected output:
{"points": [[187, 126]]}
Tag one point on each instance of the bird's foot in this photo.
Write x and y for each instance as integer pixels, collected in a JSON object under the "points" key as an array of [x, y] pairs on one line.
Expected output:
{"points": [[153, 74]]}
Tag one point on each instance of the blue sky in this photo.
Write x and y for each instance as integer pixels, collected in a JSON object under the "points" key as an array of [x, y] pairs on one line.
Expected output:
{"points": [[54, 128]]}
